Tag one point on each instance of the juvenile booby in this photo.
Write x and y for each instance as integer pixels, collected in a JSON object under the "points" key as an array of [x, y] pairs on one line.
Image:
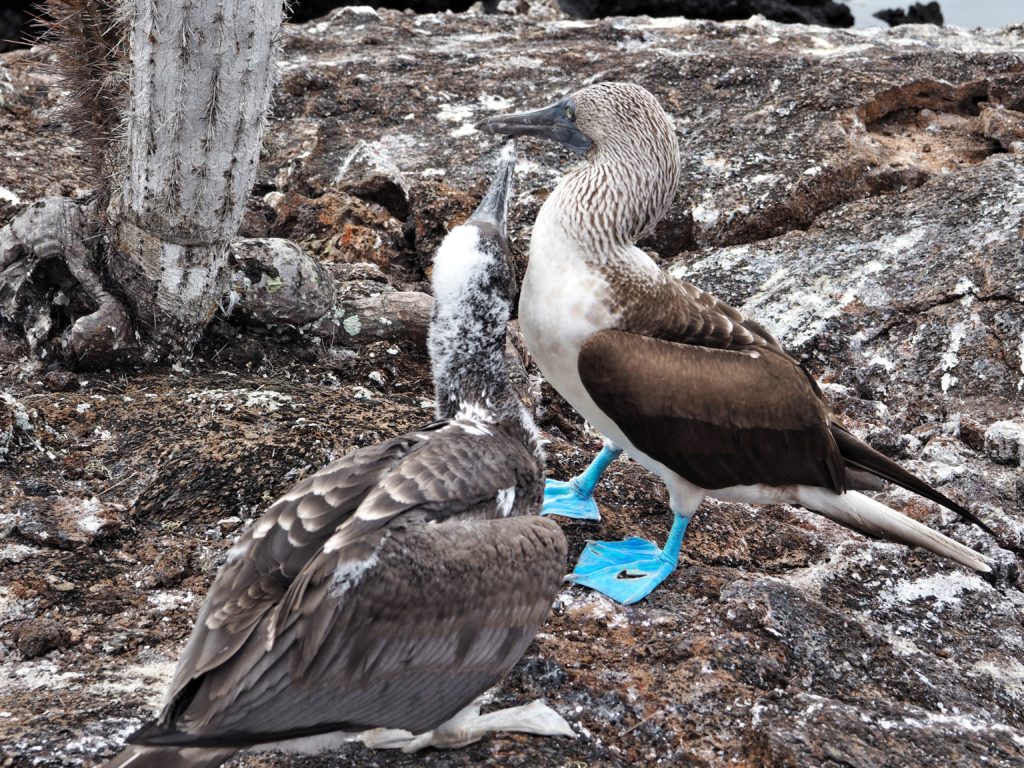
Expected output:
{"points": [[396, 584], [692, 389]]}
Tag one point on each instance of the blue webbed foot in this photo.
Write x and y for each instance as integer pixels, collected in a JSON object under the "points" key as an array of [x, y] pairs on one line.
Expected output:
{"points": [[566, 499], [575, 498], [627, 571]]}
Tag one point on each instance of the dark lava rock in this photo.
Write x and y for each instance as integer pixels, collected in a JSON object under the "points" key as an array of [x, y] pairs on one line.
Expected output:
{"points": [[822, 12], [918, 13], [60, 381], [171, 567], [68, 522], [35, 637]]}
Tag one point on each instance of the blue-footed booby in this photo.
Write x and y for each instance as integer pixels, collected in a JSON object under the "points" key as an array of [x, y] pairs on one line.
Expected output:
{"points": [[693, 390], [391, 588]]}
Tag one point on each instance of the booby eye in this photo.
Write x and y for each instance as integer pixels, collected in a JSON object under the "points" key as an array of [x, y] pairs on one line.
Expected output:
{"points": [[570, 113]]}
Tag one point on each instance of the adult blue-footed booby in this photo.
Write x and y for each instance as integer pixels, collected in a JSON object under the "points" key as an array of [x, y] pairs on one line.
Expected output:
{"points": [[396, 584], [694, 391]]}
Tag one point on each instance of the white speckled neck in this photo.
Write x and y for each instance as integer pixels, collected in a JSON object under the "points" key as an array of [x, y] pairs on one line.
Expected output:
{"points": [[473, 289], [628, 180]]}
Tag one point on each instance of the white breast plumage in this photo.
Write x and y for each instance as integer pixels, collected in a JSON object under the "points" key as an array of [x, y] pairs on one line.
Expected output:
{"points": [[554, 323]]}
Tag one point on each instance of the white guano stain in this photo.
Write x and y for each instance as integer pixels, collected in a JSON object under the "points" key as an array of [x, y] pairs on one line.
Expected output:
{"points": [[706, 215], [884, 362], [454, 113], [797, 308], [1007, 674], [964, 286], [950, 358], [591, 606], [165, 602], [945, 589], [91, 523], [226, 400], [360, 10], [494, 103]]}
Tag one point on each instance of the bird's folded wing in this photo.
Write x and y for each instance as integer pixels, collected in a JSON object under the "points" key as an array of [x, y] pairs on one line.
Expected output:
{"points": [[717, 417], [268, 557], [464, 464], [443, 471], [675, 310], [400, 629]]}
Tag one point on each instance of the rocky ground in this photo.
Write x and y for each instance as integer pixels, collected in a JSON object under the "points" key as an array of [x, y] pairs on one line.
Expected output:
{"points": [[861, 193]]}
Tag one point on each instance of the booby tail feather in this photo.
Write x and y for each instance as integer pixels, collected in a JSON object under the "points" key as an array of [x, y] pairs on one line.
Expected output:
{"points": [[859, 455], [857, 511]]}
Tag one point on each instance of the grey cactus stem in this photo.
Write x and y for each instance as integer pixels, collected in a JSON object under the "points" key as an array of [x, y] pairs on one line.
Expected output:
{"points": [[200, 86]]}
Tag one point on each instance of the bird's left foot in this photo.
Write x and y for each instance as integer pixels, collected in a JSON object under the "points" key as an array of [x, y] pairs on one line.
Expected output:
{"points": [[468, 726], [626, 571]]}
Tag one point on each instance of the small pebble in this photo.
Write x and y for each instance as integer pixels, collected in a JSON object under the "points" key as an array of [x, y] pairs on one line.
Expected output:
{"points": [[60, 381]]}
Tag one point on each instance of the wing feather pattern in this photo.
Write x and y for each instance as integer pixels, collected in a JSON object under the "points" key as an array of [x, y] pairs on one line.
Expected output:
{"points": [[717, 417], [384, 590], [272, 552], [443, 612], [737, 410]]}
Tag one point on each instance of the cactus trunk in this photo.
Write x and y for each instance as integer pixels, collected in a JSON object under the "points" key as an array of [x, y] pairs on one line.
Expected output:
{"points": [[201, 77]]}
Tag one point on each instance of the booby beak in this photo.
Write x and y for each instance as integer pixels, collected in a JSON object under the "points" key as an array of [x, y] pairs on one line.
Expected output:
{"points": [[555, 123], [493, 207]]}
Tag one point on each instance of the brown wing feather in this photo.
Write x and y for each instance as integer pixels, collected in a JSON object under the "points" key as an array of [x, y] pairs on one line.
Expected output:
{"points": [[717, 417], [439, 614], [273, 551], [674, 310], [257, 632]]}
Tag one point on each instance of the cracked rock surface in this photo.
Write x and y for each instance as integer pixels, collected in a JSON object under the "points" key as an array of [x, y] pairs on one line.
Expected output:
{"points": [[861, 193]]}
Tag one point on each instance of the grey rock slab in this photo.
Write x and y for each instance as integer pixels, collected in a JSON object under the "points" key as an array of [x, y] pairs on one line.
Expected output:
{"points": [[777, 123], [927, 285], [275, 282]]}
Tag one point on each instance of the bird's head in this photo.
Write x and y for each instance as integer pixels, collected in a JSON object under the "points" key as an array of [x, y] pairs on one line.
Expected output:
{"points": [[632, 165], [473, 277], [615, 118]]}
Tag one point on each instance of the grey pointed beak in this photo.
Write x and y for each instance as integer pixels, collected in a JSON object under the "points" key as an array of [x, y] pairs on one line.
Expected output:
{"points": [[554, 123], [493, 207]]}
